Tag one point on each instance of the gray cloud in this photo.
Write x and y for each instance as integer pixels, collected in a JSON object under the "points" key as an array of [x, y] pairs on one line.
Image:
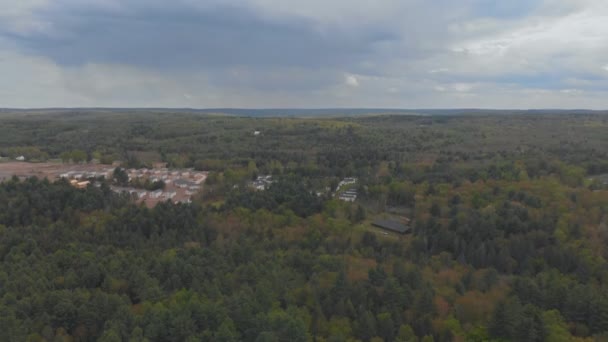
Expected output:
{"points": [[185, 36], [265, 53]]}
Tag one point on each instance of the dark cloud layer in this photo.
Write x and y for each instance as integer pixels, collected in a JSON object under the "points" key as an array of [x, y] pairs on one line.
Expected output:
{"points": [[185, 37]]}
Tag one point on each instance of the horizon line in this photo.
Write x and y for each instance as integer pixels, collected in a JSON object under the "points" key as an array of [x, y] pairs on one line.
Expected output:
{"points": [[300, 108]]}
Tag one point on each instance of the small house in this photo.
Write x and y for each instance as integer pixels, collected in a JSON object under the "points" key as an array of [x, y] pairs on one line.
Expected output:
{"points": [[262, 182], [82, 185], [156, 194], [347, 197], [182, 183]]}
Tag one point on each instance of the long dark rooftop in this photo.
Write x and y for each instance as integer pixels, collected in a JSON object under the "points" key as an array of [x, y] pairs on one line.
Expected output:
{"points": [[392, 225]]}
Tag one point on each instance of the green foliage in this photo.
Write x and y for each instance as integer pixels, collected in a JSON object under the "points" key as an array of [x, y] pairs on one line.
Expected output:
{"points": [[288, 193], [557, 330], [75, 156], [120, 177], [145, 183], [507, 243]]}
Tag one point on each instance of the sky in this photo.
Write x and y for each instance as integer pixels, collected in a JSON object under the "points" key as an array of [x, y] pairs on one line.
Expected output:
{"points": [[515, 54]]}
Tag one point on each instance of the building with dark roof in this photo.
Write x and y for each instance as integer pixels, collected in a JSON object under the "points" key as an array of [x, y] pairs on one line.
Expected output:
{"points": [[392, 225]]}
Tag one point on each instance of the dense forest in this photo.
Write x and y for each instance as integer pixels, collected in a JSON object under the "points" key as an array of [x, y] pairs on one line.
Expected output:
{"points": [[509, 219]]}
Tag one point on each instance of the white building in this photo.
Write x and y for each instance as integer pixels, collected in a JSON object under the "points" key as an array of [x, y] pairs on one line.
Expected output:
{"points": [[156, 194], [170, 195], [347, 198]]}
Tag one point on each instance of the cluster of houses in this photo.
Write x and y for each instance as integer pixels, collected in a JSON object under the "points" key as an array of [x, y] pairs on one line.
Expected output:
{"points": [[180, 185], [347, 181], [349, 195], [158, 195], [134, 192], [85, 175], [167, 175], [191, 187], [183, 178], [262, 182]]}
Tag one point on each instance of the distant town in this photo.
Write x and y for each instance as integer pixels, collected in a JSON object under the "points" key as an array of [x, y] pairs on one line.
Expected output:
{"points": [[178, 186], [147, 185]]}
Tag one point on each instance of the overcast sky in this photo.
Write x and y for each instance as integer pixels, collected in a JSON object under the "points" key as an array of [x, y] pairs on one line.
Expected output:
{"points": [[305, 53]]}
